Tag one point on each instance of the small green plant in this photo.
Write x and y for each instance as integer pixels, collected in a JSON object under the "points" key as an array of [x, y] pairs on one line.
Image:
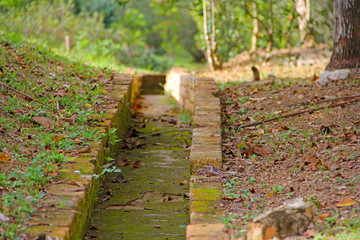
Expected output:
{"points": [[185, 117], [107, 170], [113, 137], [277, 189], [243, 99], [228, 220]]}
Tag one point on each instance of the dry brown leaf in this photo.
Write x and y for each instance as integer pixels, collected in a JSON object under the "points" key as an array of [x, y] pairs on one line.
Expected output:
{"points": [[4, 158], [345, 202], [136, 164], [76, 183], [324, 215], [311, 158], [78, 140], [182, 182], [43, 121], [261, 150], [25, 150], [19, 59], [269, 194], [4, 218], [85, 149], [57, 138], [60, 68], [311, 233], [314, 78]]}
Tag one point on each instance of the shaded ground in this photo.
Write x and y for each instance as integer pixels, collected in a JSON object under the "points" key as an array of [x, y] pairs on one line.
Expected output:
{"points": [[314, 155], [285, 64], [149, 198]]}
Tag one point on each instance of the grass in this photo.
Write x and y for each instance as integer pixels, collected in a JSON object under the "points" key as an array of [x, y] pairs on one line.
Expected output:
{"points": [[72, 95]]}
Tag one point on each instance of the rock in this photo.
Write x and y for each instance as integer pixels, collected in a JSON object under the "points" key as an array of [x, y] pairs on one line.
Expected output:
{"points": [[290, 219], [333, 76]]}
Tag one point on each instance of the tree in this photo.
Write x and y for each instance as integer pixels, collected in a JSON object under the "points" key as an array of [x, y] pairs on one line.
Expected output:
{"points": [[255, 31], [346, 48], [212, 56], [269, 30], [303, 10]]}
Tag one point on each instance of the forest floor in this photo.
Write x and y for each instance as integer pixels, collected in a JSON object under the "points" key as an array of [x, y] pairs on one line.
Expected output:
{"points": [[48, 108], [314, 155]]}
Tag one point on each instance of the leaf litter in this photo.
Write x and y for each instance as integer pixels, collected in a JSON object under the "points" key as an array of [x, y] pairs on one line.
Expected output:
{"points": [[314, 155]]}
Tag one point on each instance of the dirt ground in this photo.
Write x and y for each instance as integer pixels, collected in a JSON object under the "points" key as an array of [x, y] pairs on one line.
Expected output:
{"points": [[312, 155]]}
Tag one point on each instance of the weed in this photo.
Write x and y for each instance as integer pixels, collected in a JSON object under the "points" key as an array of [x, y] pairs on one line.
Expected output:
{"points": [[107, 170], [228, 220], [185, 117], [277, 189]]}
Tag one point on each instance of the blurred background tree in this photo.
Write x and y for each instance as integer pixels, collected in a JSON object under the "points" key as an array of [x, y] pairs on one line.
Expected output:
{"points": [[157, 34]]}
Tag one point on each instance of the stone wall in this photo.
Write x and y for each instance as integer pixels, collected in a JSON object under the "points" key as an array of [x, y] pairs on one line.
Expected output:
{"points": [[198, 96], [70, 198], [181, 86]]}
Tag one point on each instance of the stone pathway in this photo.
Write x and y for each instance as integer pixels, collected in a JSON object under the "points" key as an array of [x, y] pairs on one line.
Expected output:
{"points": [[152, 204]]}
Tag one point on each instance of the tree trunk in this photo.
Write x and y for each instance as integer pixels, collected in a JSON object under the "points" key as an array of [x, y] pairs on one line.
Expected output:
{"points": [[255, 31], [346, 48], [303, 9], [212, 57], [271, 31]]}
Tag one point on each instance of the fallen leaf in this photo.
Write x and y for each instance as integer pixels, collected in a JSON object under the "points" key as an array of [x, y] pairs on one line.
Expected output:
{"points": [[76, 183], [43, 121], [57, 138], [269, 194], [314, 78], [4, 218], [311, 233], [183, 182], [345, 202], [25, 150], [19, 59], [78, 140], [85, 149], [58, 124], [136, 164], [324, 215], [119, 179], [76, 189], [4, 158], [4, 192], [167, 198], [261, 150], [60, 68]]}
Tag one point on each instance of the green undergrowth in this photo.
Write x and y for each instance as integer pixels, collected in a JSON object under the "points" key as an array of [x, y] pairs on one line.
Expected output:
{"points": [[69, 95]]}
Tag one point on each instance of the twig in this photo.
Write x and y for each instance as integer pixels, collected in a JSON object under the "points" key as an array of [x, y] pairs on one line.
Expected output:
{"points": [[237, 127], [322, 101], [128, 108], [17, 91], [166, 131]]}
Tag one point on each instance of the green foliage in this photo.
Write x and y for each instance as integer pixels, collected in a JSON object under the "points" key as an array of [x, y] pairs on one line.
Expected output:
{"points": [[100, 31]]}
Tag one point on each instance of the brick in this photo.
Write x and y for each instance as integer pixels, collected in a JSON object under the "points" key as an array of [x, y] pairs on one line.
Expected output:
{"points": [[207, 232], [200, 159]]}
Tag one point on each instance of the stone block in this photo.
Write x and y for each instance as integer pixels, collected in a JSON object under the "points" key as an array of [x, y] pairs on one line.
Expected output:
{"points": [[207, 232], [209, 140], [290, 219], [204, 101], [200, 159], [207, 132], [211, 121]]}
